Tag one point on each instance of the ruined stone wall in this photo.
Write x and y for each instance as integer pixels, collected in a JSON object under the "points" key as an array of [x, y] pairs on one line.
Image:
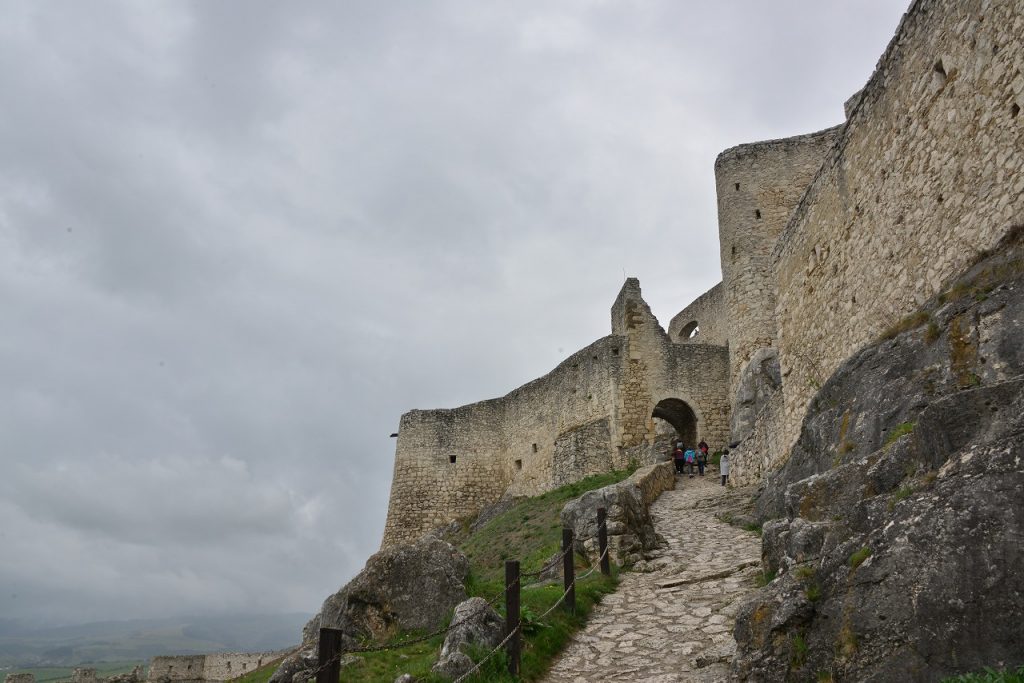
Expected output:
{"points": [[708, 312], [660, 369], [504, 445], [758, 185], [224, 666], [591, 414], [20, 678], [927, 172], [179, 669]]}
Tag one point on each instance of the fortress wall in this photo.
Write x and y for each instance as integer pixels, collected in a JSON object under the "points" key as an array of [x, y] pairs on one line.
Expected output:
{"points": [[505, 445], [928, 171], [708, 311], [758, 186], [699, 375], [428, 490], [571, 405], [179, 669], [659, 369], [224, 666]]}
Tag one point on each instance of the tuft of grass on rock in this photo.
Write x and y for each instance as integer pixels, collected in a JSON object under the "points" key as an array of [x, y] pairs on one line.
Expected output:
{"points": [[764, 578], [902, 429], [990, 675], [857, 558]]}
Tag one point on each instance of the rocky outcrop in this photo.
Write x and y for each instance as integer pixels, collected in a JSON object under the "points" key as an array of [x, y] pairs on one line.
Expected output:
{"points": [[896, 526], [475, 623], [401, 588], [630, 528], [758, 382]]}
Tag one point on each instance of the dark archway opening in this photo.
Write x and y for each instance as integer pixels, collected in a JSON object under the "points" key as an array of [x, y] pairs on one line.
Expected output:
{"points": [[683, 422], [689, 331]]}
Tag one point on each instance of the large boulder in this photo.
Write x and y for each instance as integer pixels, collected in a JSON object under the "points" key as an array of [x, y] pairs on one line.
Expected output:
{"points": [[475, 623], [401, 588], [760, 378], [630, 527], [896, 526]]}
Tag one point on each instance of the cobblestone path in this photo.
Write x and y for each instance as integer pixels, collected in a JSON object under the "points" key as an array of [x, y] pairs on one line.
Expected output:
{"points": [[674, 621]]}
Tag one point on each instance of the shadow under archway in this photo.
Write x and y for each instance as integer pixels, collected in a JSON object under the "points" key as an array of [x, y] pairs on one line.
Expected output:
{"points": [[681, 416]]}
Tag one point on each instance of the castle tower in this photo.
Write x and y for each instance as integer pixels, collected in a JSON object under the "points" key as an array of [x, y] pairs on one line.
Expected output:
{"points": [[758, 186]]}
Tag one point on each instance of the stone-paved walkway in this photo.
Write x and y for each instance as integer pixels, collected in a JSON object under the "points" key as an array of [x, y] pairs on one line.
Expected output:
{"points": [[673, 623]]}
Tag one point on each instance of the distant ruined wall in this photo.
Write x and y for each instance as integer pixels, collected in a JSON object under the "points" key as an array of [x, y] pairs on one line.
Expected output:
{"points": [[591, 414], [758, 185], [179, 669], [212, 668], [224, 666], [927, 172], [20, 678], [708, 312]]}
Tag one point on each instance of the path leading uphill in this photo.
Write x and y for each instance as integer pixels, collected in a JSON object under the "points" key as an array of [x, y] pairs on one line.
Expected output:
{"points": [[673, 623]]}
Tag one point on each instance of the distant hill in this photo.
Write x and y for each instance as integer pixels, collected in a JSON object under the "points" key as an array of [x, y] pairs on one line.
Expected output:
{"points": [[142, 639]]}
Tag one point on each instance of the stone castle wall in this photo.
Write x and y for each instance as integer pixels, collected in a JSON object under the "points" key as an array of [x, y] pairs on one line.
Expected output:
{"points": [[927, 172], [708, 314], [758, 185], [211, 668], [591, 414]]}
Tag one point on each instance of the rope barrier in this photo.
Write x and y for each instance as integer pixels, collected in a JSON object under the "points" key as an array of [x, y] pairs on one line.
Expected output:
{"points": [[419, 639], [476, 667]]}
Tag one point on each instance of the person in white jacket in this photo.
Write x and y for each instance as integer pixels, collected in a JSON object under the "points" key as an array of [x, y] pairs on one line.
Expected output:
{"points": [[723, 466]]}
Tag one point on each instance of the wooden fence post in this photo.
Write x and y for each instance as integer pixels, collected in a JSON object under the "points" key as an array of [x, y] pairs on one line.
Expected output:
{"points": [[602, 541], [512, 615], [329, 656], [568, 571]]}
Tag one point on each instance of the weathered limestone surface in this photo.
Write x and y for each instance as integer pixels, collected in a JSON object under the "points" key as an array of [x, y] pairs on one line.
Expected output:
{"points": [[630, 526], [474, 623], [759, 380], [406, 587], [896, 525], [673, 623]]}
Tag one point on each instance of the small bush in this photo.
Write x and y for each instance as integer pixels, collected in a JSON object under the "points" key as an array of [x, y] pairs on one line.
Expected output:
{"points": [[813, 592], [858, 557], [755, 528], [932, 332], [764, 578]]}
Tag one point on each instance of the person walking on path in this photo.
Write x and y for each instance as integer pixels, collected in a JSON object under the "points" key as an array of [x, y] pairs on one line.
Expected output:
{"points": [[702, 460], [677, 456], [723, 467], [703, 446], [691, 458]]}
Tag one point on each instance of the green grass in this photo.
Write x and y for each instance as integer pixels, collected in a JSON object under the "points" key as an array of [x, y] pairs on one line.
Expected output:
{"points": [[858, 557], [990, 675], [260, 675], [46, 674], [902, 429], [799, 651], [531, 532], [764, 578]]}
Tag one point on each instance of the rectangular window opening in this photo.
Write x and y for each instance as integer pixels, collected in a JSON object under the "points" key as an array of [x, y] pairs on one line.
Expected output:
{"points": [[757, 214], [519, 464], [737, 187], [451, 459], [534, 448]]}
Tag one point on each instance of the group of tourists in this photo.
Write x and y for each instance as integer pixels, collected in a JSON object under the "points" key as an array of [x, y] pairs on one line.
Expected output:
{"points": [[688, 459]]}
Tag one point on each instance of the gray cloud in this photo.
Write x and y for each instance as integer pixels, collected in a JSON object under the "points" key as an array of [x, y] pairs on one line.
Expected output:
{"points": [[238, 240]]}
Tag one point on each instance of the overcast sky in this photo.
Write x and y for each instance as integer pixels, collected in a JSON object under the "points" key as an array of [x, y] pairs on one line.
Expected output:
{"points": [[239, 239]]}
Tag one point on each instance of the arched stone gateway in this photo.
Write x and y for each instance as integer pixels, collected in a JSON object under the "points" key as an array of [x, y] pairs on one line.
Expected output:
{"points": [[680, 415]]}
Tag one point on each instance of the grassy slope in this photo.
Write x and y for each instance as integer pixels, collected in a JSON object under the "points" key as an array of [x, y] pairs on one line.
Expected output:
{"points": [[531, 532]]}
